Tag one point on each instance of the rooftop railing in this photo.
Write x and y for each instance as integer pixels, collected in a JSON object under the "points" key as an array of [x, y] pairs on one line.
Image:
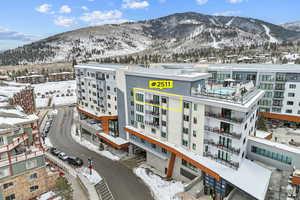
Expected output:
{"points": [[224, 117]]}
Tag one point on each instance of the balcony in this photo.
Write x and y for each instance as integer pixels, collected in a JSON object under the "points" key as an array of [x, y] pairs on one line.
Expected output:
{"points": [[151, 101], [223, 133], [20, 157], [152, 113], [15, 142], [223, 117], [156, 125], [231, 164], [223, 147]]}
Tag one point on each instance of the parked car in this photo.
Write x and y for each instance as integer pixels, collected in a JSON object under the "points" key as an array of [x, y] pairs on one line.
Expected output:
{"points": [[54, 151], [75, 161], [63, 156]]}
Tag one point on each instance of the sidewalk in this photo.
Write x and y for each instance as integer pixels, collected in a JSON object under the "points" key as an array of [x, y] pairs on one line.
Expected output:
{"points": [[78, 192]]}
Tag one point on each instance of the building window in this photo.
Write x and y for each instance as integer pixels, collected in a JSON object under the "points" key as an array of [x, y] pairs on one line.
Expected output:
{"points": [[290, 103], [186, 118], [153, 146], [139, 97], [184, 143], [195, 107], [108, 88], [163, 150], [163, 123], [195, 120], [163, 100], [186, 105], [143, 141], [7, 185], [115, 89], [164, 112], [31, 164], [107, 76], [288, 111], [10, 197], [139, 118], [194, 133], [163, 134], [194, 146], [153, 130], [291, 94], [108, 105], [32, 176], [185, 130], [245, 126], [272, 155], [139, 108], [108, 96], [292, 86], [1, 140], [34, 188]]}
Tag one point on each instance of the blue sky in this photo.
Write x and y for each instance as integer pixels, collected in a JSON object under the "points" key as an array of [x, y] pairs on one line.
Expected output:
{"points": [[24, 21]]}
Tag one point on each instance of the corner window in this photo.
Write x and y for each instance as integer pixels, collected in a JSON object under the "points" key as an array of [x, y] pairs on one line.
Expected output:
{"points": [[292, 86], [186, 105], [7, 185], [34, 188]]}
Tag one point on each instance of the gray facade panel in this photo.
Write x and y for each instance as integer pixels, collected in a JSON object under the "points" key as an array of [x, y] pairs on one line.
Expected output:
{"points": [[121, 113]]}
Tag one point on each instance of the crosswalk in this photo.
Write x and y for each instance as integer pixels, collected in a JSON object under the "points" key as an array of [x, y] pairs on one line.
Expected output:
{"points": [[103, 191]]}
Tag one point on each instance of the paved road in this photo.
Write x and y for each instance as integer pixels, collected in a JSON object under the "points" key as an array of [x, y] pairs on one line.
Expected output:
{"points": [[121, 180]]}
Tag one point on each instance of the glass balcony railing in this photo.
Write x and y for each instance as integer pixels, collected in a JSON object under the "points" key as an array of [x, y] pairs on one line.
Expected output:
{"points": [[224, 117], [221, 132], [229, 149], [231, 164]]}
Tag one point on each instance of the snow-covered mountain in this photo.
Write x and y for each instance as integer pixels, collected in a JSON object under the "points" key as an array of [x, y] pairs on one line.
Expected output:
{"points": [[175, 33], [293, 26]]}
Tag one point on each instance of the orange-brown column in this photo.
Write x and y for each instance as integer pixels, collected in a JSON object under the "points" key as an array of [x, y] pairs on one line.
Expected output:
{"points": [[171, 166]]}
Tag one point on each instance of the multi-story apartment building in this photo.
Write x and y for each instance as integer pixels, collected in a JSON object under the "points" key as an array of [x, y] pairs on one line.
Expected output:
{"points": [[18, 94], [194, 127], [98, 92], [23, 171], [280, 82], [187, 125], [33, 79], [61, 76]]}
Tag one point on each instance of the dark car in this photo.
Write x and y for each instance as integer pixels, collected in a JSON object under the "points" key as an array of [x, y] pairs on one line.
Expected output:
{"points": [[54, 151], [75, 161]]}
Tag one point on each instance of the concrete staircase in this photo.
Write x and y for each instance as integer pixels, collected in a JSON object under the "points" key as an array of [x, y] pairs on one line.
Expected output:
{"points": [[103, 191], [195, 187]]}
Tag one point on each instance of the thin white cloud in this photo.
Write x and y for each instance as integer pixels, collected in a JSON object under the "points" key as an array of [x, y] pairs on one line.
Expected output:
{"points": [[45, 8], [97, 17], [64, 21], [235, 1], [91, 0], [65, 9], [7, 34], [84, 8], [228, 13], [134, 4], [201, 2]]}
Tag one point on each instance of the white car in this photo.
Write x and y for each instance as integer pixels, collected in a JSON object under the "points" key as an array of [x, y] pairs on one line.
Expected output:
{"points": [[62, 156]]}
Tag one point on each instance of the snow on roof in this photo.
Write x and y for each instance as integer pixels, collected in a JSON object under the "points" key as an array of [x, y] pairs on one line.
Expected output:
{"points": [[276, 145], [58, 73], [116, 140], [8, 89], [30, 76], [292, 68], [108, 67], [14, 115], [245, 177], [262, 134]]}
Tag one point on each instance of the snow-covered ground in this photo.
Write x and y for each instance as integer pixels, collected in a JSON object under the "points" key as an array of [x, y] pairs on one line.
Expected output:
{"points": [[48, 195], [161, 189], [92, 146], [272, 39], [94, 178], [48, 142], [60, 93]]}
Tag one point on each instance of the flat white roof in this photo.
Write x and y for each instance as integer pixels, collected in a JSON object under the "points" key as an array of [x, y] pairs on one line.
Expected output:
{"points": [[287, 68], [262, 134], [250, 177], [116, 140], [106, 67], [14, 115]]}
